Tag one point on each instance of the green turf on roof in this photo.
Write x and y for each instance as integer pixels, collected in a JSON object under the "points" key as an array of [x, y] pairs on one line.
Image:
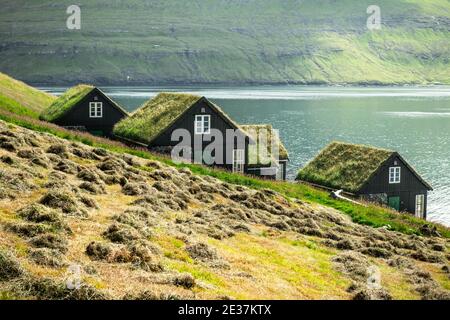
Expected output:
{"points": [[256, 133], [65, 102], [344, 166], [154, 116]]}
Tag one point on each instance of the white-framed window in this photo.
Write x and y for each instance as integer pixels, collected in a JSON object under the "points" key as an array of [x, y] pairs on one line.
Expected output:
{"points": [[394, 175], [95, 110], [420, 205], [238, 160], [202, 124]]}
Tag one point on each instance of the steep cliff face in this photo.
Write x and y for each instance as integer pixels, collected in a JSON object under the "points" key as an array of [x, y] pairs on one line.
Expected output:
{"points": [[217, 41], [84, 223]]}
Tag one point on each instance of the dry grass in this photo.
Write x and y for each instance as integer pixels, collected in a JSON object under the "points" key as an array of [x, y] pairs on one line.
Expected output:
{"points": [[263, 251]]}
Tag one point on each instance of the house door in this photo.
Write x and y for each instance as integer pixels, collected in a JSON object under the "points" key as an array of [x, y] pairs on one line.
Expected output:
{"points": [[280, 171], [420, 206], [394, 203], [238, 160]]}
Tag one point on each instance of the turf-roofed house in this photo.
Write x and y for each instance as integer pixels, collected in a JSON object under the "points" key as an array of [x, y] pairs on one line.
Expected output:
{"points": [[85, 108], [373, 174], [156, 122]]}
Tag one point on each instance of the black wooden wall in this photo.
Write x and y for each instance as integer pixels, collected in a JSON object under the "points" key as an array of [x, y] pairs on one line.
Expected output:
{"points": [[407, 189], [187, 122]]}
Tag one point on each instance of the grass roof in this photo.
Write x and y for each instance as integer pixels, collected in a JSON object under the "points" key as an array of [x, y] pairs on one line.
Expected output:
{"points": [[18, 97], [157, 114], [65, 102], [257, 133], [344, 166]]}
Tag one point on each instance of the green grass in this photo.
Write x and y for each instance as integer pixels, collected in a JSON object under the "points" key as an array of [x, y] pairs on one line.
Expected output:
{"points": [[18, 97], [367, 215], [214, 41], [277, 263], [11, 105]]}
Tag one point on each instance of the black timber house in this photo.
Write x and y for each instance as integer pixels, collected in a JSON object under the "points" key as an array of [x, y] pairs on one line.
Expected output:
{"points": [[372, 174], [156, 122], [85, 108]]}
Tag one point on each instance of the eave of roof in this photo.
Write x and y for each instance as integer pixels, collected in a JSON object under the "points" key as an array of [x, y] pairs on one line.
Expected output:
{"points": [[113, 103]]}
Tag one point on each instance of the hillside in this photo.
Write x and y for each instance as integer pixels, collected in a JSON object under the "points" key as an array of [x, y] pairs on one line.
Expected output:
{"points": [[232, 41], [18, 97], [122, 227]]}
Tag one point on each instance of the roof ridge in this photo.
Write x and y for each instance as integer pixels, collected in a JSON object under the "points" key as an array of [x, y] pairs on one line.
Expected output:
{"points": [[361, 145]]}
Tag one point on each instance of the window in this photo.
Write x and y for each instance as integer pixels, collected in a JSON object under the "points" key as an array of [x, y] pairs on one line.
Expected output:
{"points": [[420, 205], [394, 175], [238, 160], [95, 110], [202, 124]]}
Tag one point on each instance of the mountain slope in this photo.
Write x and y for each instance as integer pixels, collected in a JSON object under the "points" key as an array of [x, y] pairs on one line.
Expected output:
{"points": [[18, 97], [227, 41], [110, 225]]}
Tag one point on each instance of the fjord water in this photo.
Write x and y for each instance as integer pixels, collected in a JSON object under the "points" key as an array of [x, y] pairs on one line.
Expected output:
{"points": [[415, 121]]}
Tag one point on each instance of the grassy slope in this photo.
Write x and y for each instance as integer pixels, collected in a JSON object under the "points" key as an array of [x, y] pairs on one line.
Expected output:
{"points": [[367, 215], [266, 263], [17, 97], [264, 41]]}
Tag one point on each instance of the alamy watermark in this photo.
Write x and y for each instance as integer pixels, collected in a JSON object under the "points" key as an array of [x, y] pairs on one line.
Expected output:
{"points": [[374, 20], [73, 277], [74, 20], [233, 148], [374, 279]]}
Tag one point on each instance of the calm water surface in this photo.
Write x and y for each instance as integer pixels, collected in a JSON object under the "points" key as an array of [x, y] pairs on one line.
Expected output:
{"points": [[415, 121]]}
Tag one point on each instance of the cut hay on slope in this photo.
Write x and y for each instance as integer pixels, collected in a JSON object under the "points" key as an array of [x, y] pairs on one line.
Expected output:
{"points": [[344, 166], [65, 102]]}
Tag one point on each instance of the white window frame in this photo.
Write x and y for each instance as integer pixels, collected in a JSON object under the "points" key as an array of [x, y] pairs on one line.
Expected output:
{"points": [[420, 205], [199, 124], [95, 109], [238, 160], [395, 175]]}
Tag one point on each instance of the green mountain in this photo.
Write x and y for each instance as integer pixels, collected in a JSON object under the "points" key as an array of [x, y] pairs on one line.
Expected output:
{"points": [[226, 41]]}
